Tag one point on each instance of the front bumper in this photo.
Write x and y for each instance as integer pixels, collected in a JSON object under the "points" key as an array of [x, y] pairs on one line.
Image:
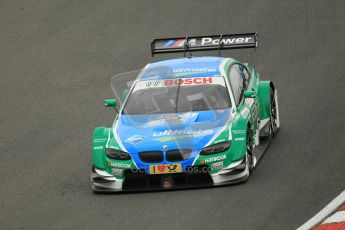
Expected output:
{"points": [[102, 181]]}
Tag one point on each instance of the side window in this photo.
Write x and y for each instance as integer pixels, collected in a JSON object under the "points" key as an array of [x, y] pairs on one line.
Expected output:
{"points": [[246, 76], [237, 80]]}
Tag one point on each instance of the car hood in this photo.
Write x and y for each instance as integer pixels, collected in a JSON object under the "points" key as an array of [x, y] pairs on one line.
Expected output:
{"points": [[190, 130]]}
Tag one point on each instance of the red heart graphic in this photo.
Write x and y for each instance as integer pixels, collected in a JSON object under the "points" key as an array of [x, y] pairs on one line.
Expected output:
{"points": [[161, 167]]}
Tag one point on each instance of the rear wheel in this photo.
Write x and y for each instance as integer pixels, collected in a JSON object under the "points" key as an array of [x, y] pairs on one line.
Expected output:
{"points": [[249, 148], [274, 114]]}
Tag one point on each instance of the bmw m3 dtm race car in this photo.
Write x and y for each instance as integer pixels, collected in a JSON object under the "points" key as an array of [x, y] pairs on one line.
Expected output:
{"points": [[186, 122]]}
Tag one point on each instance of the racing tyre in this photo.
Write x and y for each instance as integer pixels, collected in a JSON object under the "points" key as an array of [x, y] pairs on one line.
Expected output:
{"points": [[249, 148], [274, 117]]}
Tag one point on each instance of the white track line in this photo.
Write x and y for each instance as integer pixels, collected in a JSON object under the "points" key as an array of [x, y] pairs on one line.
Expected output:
{"points": [[335, 218], [339, 200]]}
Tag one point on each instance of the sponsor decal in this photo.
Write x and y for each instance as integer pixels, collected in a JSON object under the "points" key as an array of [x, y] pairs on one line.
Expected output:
{"points": [[227, 41], [116, 171], [135, 139], [213, 159], [219, 140], [217, 158], [119, 165], [114, 147], [184, 74], [165, 139], [207, 41], [174, 43], [149, 84], [218, 80], [238, 131], [97, 140], [188, 70], [191, 71], [218, 165], [165, 168], [183, 132], [189, 81], [239, 139]]}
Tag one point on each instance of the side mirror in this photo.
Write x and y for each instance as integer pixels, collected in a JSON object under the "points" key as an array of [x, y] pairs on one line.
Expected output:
{"points": [[110, 102], [249, 94]]}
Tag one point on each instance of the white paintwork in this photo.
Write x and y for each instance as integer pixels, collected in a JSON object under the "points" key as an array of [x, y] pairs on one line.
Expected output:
{"points": [[146, 84], [113, 182], [103, 173], [219, 178], [114, 185], [232, 165]]}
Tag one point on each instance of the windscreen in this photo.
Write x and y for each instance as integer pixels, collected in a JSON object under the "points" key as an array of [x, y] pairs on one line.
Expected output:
{"points": [[178, 95]]}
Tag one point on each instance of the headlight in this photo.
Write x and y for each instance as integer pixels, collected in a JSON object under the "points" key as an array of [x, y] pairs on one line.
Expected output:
{"points": [[217, 148], [117, 154]]}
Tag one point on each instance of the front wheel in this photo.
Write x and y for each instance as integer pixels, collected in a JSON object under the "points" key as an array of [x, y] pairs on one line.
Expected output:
{"points": [[274, 116]]}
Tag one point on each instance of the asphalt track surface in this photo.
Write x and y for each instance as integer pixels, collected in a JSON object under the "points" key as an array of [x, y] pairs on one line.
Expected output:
{"points": [[56, 61]]}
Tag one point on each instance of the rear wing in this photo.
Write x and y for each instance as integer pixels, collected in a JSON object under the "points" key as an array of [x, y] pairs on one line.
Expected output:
{"points": [[204, 43]]}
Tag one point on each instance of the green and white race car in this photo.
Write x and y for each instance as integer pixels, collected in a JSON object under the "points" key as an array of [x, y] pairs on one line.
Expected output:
{"points": [[186, 122]]}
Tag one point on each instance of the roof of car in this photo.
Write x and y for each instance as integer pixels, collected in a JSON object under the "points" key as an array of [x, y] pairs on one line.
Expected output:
{"points": [[183, 68]]}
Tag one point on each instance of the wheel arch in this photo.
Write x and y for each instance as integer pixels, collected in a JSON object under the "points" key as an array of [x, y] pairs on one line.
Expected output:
{"points": [[99, 140], [239, 137], [265, 98]]}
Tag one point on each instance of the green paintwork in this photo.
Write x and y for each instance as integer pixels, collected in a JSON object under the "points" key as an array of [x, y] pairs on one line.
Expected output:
{"points": [[110, 102], [103, 137], [99, 140], [265, 100], [254, 107], [249, 94]]}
